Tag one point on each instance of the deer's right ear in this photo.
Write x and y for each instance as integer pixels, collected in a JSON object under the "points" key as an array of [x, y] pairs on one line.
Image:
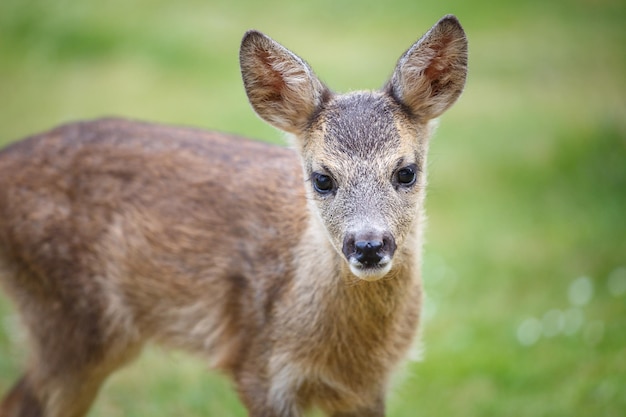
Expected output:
{"points": [[281, 87]]}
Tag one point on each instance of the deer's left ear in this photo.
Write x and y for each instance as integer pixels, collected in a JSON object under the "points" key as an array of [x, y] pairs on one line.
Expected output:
{"points": [[430, 76]]}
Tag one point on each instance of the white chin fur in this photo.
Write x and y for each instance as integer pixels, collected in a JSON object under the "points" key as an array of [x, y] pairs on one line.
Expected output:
{"points": [[370, 274]]}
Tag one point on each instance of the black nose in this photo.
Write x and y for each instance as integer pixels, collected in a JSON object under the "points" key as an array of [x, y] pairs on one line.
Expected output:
{"points": [[367, 251], [368, 248]]}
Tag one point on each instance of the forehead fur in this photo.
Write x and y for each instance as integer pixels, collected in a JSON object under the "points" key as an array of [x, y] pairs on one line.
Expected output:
{"points": [[361, 123]]}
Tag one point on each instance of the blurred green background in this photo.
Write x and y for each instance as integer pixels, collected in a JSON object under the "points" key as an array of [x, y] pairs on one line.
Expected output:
{"points": [[525, 264]]}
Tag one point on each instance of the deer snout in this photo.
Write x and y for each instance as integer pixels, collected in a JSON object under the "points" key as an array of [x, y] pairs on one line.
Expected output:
{"points": [[369, 254]]}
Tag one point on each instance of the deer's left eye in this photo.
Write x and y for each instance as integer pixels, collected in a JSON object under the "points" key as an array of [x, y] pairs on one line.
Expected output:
{"points": [[407, 175]]}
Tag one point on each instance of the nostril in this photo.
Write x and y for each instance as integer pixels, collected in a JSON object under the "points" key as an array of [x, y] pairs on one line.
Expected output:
{"points": [[348, 246], [389, 244]]}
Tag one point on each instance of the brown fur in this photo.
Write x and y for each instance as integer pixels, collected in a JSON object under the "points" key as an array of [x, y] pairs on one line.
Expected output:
{"points": [[114, 233]]}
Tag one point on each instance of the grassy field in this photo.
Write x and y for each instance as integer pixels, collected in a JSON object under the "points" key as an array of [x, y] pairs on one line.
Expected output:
{"points": [[525, 265]]}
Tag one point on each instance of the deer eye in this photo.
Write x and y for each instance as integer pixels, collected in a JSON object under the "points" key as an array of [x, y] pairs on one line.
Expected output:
{"points": [[323, 184], [407, 175]]}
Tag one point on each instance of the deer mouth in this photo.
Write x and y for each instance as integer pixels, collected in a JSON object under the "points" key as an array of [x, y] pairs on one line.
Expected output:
{"points": [[370, 271]]}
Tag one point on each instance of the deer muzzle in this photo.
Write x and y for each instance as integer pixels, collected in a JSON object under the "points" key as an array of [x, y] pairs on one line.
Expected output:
{"points": [[369, 253]]}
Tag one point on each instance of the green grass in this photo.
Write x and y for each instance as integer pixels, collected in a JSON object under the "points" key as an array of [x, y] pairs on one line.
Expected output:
{"points": [[527, 178]]}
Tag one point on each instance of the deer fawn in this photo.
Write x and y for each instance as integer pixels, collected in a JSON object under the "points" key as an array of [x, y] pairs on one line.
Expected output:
{"points": [[297, 273]]}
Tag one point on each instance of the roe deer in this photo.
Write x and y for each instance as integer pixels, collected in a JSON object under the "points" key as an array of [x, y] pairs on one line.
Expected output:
{"points": [[294, 271]]}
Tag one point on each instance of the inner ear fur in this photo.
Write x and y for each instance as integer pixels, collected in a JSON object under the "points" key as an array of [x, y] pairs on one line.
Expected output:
{"points": [[431, 74], [281, 87]]}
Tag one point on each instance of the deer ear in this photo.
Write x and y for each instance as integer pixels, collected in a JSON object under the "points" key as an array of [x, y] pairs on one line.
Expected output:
{"points": [[430, 76], [281, 87]]}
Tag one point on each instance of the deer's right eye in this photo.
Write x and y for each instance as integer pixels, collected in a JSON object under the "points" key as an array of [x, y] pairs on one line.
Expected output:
{"points": [[323, 184]]}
